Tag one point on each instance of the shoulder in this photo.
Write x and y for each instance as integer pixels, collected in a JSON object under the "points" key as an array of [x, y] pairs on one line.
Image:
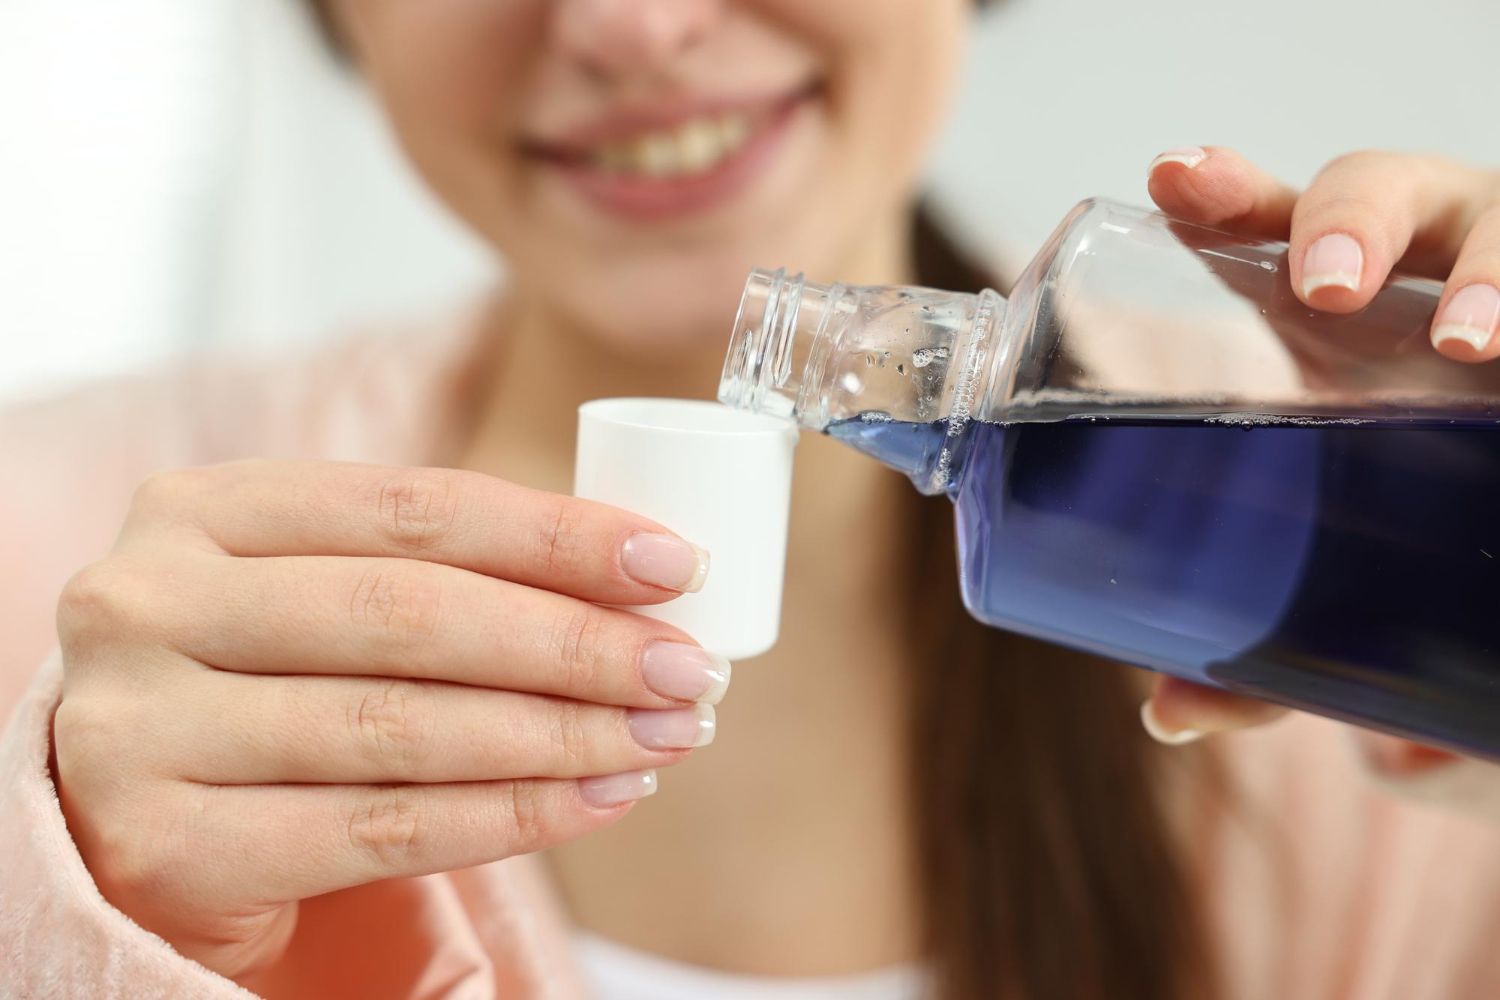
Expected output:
{"points": [[218, 406]]}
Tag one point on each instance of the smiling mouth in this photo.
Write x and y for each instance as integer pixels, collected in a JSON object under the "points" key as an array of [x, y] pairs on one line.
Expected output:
{"points": [[694, 147], [674, 159]]}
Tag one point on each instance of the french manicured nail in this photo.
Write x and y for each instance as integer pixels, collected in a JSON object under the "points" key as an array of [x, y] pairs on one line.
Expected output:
{"points": [[1188, 156], [665, 561], [686, 672], [1161, 734], [617, 789], [1335, 259], [672, 728], [1472, 315]]}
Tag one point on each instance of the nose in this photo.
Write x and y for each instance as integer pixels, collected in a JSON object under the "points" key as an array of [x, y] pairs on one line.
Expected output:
{"points": [[614, 38]]}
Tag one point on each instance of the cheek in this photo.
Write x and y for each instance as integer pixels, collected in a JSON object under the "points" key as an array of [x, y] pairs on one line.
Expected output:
{"points": [[450, 74], [444, 57], [891, 66]]}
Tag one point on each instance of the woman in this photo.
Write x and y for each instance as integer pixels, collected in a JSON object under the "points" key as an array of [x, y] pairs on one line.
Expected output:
{"points": [[293, 690]]}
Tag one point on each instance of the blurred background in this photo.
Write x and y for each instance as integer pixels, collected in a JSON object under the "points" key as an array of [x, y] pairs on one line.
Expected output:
{"points": [[186, 174]]}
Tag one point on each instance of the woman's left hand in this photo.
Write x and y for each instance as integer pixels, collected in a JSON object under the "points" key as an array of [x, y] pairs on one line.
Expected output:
{"points": [[1365, 215]]}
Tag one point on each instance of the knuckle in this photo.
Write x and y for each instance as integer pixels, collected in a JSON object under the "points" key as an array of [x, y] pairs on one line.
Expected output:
{"points": [[579, 636], [531, 822], [137, 846], [559, 529], [136, 866], [391, 827], [69, 723], [89, 593], [392, 723], [568, 734], [167, 490], [415, 509], [103, 743], [81, 738], [98, 601], [398, 603]]}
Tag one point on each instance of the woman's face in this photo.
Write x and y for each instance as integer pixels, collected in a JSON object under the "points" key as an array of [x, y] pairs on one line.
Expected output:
{"points": [[632, 159]]}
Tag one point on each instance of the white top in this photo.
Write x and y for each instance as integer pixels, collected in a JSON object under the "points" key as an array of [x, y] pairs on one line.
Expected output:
{"points": [[613, 971]]}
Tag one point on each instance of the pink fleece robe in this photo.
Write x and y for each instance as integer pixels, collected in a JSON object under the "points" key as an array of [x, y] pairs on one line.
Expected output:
{"points": [[1323, 883]]}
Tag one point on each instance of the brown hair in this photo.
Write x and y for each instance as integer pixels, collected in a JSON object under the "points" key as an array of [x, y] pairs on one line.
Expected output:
{"points": [[1047, 867], [1043, 849]]}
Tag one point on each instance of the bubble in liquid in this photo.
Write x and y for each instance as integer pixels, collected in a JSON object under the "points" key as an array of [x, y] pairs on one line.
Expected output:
{"points": [[1266, 265], [875, 417], [924, 356]]}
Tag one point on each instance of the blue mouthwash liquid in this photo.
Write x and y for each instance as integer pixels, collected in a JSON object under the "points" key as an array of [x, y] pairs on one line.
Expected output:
{"points": [[1352, 571]]}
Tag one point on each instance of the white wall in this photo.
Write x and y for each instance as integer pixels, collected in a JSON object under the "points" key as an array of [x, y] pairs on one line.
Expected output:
{"points": [[179, 172], [175, 172], [327, 221], [100, 204], [1070, 98]]}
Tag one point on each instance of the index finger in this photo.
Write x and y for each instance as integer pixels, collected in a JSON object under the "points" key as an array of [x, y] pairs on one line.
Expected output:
{"points": [[463, 519], [1215, 186]]}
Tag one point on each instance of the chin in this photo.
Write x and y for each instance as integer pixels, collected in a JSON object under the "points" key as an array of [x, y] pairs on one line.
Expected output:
{"points": [[641, 298], [672, 320]]}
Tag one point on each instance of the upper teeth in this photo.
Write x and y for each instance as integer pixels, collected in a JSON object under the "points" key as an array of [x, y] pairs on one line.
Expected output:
{"points": [[693, 147]]}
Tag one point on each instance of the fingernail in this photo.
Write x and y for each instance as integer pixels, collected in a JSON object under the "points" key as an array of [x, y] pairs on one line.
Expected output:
{"points": [[683, 671], [665, 561], [1161, 734], [1188, 156], [1471, 316], [615, 789], [672, 728], [1335, 259]]}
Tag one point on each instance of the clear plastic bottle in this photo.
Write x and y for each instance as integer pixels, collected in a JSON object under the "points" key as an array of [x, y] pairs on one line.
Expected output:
{"points": [[1158, 454]]}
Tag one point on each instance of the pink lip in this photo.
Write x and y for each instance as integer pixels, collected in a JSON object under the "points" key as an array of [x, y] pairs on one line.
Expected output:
{"points": [[641, 198]]}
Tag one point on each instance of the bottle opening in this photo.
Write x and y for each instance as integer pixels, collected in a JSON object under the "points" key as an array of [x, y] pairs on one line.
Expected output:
{"points": [[852, 358], [778, 331], [747, 345]]}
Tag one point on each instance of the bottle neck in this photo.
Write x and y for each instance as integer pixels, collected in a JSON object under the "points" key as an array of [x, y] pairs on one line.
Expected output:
{"points": [[782, 322], [851, 361]]}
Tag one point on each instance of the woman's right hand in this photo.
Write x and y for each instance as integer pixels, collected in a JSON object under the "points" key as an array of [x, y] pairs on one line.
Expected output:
{"points": [[292, 678]]}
